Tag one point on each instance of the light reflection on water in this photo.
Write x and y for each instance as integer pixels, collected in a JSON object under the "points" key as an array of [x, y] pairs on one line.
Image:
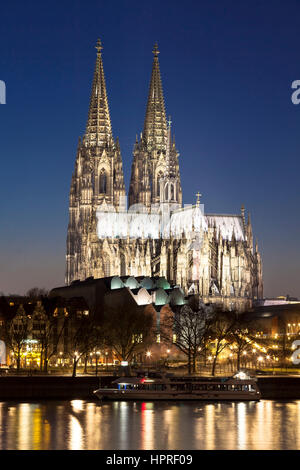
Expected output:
{"points": [[80, 424]]}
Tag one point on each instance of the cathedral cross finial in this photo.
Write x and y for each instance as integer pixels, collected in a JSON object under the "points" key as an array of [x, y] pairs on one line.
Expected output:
{"points": [[98, 46], [155, 50], [169, 121], [198, 195]]}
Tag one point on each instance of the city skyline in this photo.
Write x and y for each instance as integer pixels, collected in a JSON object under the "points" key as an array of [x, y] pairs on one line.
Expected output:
{"points": [[33, 233]]}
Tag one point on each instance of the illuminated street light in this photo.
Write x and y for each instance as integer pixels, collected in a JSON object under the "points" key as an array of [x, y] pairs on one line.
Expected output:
{"points": [[97, 359]]}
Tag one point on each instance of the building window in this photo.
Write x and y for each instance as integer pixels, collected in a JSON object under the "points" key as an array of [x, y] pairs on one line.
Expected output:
{"points": [[159, 176], [106, 267], [123, 266], [172, 192], [166, 192], [102, 182]]}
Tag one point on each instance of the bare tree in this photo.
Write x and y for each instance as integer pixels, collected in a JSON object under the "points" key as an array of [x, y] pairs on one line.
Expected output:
{"points": [[222, 330], [84, 337], [242, 336], [127, 329], [48, 330], [16, 333], [36, 293], [189, 330]]}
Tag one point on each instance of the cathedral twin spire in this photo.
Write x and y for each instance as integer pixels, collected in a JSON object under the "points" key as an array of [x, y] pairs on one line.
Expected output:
{"points": [[98, 129], [155, 158], [155, 177], [155, 125]]}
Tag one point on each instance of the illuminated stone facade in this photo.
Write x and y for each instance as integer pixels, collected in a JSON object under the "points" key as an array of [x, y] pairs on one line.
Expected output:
{"points": [[209, 254]]}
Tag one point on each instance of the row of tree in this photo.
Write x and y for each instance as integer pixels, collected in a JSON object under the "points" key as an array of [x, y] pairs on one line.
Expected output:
{"points": [[122, 330], [200, 328], [195, 330]]}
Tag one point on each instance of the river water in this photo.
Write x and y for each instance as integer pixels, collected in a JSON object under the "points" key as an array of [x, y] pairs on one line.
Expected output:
{"points": [[90, 425]]}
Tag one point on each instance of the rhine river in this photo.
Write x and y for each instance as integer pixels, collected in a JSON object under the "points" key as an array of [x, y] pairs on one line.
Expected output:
{"points": [[90, 425]]}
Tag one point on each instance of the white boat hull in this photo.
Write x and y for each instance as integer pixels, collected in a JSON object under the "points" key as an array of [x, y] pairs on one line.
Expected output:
{"points": [[112, 394]]}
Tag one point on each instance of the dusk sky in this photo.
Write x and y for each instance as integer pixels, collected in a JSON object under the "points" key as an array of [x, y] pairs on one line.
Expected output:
{"points": [[227, 69]]}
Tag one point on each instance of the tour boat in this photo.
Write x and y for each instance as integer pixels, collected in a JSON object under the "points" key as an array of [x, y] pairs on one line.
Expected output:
{"points": [[157, 386]]}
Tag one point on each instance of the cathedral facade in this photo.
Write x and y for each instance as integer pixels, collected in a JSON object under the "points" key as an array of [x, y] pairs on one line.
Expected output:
{"points": [[150, 233]]}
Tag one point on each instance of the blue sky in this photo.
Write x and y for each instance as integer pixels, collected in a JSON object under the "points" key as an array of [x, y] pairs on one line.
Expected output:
{"points": [[227, 69]]}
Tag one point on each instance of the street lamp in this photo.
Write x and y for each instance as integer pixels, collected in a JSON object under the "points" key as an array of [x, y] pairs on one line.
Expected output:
{"points": [[148, 355], [97, 358]]}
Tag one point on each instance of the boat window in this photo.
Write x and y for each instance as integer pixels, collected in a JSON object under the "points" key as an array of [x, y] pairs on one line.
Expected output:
{"points": [[160, 387], [178, 387], [181, 387], [157, 387], [223, 387], [199, 387], [237, 388], [245, 388]]}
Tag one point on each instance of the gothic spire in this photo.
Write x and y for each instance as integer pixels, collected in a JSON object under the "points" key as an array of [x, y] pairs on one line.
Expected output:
{"points": [[168, 149], [155, 125], [98, 129]]}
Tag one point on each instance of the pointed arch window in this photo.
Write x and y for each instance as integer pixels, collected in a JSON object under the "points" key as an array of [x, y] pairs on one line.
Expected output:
{"points": [[172, 192], [159, 176], [106, 266], [123, 266], [102, 182], [167, 192], [150, 182]]}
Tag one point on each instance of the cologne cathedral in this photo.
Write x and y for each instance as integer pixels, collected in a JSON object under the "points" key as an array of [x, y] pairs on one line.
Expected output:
{"points": [[151, 234]]}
